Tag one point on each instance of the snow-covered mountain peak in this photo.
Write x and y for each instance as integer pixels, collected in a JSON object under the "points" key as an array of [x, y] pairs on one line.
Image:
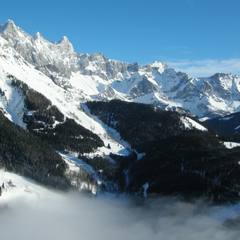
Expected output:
{"points": [[222, 75], [98, 56], [66, 44], [218, 77], [13, 33], [9, 26], [227, 77], [64, 39], [38, 36], [160, 66], [227, 82]]}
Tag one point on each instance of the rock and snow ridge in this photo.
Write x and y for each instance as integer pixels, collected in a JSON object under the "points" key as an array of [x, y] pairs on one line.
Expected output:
{"points": [[95, 77], [41, 65], [67, 103]]}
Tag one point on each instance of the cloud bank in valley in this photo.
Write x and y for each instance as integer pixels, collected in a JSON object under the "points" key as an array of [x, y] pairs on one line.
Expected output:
{"points": [[78, 217]]}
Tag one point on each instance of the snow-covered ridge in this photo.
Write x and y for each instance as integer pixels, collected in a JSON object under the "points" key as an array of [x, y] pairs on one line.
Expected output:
{"points": [[96, 77]]}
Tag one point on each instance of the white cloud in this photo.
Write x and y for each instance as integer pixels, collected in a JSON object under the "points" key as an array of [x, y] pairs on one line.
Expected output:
{"points": [[207, 67], [78, 217]]}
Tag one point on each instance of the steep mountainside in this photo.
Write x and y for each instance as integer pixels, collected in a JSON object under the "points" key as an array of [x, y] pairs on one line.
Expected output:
{"points": [[26, 154], [175, 155]]}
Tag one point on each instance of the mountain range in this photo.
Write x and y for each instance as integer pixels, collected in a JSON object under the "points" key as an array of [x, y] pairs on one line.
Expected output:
{"points": [[96, 77], [85, 121]]}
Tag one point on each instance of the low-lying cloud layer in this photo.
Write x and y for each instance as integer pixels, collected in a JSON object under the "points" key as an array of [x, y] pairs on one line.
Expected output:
{"points": [[77, 217]]}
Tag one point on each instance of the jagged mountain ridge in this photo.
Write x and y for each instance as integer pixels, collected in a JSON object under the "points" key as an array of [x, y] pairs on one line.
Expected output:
{"points": [[95, 77]]}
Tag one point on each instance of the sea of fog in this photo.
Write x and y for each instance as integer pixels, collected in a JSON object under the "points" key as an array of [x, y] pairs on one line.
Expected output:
{"points": [[76, 216]]}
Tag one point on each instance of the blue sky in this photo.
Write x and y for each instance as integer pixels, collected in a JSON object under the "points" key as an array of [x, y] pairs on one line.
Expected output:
{"points": [[188, 34]]}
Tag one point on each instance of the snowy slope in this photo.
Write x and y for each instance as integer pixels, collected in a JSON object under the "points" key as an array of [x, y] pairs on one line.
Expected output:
{"points": [[69, 104], [231, 145], [191, 124], [20, 188]]}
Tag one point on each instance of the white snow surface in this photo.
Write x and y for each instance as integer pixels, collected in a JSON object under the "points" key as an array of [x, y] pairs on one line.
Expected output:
{"points": [[231, 145], [19, 188], [191, 124], [76, 165]]}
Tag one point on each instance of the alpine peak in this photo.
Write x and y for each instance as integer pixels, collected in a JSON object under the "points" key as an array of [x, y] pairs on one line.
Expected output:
{"points": [[66, 44], [9, 27], [159, 65]]}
